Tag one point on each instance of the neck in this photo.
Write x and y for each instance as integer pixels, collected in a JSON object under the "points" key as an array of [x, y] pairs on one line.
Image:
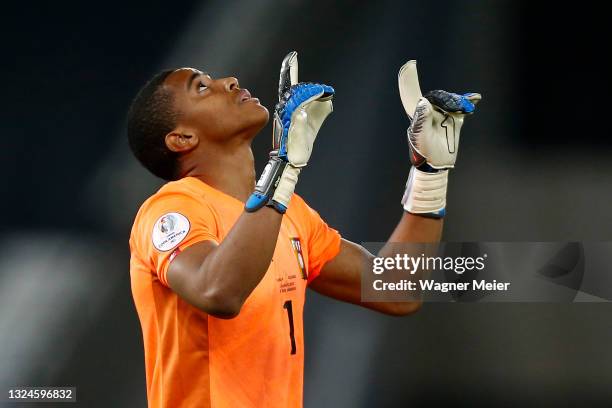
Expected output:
{"points": [[229, 168]]}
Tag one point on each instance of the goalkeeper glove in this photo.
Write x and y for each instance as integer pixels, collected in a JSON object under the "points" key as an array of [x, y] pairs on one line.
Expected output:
{"points": [[298, 116], [433, 137]]}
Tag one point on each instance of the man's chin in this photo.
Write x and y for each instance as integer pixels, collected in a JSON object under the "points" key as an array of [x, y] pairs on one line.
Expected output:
{"points": [[264, 109], [257, 121], [264, 116]]}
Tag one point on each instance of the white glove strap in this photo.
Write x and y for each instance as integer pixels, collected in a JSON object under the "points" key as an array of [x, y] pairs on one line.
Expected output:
{"points": [[425, 192], [286, 185]]}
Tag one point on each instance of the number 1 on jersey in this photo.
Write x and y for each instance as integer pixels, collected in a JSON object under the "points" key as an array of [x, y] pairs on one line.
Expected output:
{"points": [[289, 306]]}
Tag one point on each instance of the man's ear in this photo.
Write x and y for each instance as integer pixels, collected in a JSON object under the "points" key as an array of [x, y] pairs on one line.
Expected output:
{"points": [[180, 142]]}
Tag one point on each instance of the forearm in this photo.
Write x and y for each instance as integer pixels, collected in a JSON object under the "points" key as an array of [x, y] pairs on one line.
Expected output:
{"points": [[234, 268], [411, 229], [341, 279], [415, 228]]}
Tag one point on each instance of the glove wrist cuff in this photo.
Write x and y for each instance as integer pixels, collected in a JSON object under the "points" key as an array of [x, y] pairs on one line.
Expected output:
{"points": [[274, 187], [426, 193], [266, 185], [286, 186]]}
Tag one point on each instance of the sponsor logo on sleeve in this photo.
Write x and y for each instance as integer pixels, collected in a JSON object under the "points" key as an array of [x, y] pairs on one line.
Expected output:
{"points": [[170, 230]]}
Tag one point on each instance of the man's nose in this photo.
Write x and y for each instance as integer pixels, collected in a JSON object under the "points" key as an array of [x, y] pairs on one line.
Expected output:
{"points": [[230, 83]]}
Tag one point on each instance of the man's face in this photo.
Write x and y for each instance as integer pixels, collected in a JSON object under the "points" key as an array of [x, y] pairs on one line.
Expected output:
{"points": [[217, 109]]}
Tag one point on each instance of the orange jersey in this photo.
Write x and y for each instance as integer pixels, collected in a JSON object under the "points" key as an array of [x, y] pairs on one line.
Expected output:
{"points": [[195, 360]]}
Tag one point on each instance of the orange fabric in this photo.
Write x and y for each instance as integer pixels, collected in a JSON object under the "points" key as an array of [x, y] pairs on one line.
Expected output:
{"points": [[196, 360]]}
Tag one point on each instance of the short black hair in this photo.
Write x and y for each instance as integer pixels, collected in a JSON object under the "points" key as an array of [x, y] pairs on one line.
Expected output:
{"points": [[150, 118]]}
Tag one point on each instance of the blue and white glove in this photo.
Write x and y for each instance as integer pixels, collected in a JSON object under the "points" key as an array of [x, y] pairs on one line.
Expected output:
{"points": [[433, 137], [298, 116]]}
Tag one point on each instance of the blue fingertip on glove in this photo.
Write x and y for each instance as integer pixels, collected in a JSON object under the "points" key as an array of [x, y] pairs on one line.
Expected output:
{"points": [[451, 102], [466, 104]]}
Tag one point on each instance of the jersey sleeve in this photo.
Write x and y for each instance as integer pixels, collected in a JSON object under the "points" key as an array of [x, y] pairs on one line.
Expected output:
{"points": [[172, 223], [323, 242]]}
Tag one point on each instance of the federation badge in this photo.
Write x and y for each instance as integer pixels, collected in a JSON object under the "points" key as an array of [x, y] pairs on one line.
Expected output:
{"points": [[297, 249], [170, 230]]}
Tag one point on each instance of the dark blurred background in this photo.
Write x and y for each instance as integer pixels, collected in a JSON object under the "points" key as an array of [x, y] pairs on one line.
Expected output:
{"points": [[533, 167]]}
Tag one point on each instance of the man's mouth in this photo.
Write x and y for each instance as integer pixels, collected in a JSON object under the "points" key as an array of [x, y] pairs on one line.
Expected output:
{"points": [[245, 96]]}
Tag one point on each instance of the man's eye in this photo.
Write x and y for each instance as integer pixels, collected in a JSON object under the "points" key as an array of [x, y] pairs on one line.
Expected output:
{"points": [[202, 87]]}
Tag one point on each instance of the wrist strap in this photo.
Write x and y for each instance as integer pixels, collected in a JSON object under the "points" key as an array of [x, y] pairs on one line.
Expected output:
{"points": [[274, 187], [426, 193], [266, 185]]}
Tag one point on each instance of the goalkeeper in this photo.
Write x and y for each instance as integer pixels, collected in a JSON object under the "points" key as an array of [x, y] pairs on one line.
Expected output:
{"points": [[220, 264]]}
